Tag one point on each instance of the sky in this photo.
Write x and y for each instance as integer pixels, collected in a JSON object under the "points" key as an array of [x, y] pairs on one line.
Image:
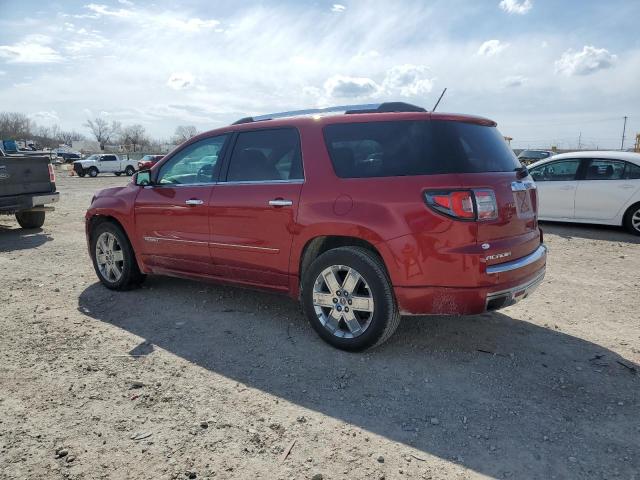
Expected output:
{"points": [[549, 72]]}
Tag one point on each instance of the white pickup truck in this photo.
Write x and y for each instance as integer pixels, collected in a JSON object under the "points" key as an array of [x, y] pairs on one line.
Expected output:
{"points": [[104, 163]]}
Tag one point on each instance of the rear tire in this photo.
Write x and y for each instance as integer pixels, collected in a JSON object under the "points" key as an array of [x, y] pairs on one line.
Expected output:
{"points": [[330, 316], [93, 172], [113, 257], [632, 219], [129, 171], [28, 219]]}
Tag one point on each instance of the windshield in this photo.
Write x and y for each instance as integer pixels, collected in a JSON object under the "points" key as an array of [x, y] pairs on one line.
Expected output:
{"points": [[92, 157], [388, 149]]}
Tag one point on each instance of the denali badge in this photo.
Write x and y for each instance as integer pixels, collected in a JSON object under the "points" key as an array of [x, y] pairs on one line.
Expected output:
{"points": [[485, 246], [497, 256]]}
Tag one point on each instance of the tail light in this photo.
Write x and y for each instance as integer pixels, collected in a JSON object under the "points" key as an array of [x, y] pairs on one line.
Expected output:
{"points": [[52, 174], [464, 204]]}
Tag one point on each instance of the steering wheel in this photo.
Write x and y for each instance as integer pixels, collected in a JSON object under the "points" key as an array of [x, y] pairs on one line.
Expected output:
{"points": [[205, 173]]}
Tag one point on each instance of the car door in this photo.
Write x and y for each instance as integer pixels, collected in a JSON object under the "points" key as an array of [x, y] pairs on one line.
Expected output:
{"points": [[108, 163], [557, 183], [604, 191], [253, 210], [172, 215]]}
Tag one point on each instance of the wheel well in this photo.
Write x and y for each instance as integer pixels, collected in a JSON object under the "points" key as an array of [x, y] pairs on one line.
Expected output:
{"points": [[628, 211], [317, 246], [99, 219]]}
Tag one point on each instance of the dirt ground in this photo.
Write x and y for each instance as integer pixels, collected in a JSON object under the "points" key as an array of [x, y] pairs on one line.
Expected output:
{"points": [[186, 380]]}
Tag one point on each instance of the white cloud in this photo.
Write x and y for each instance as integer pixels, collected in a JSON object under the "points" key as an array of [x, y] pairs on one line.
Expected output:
{"points": [[126, 2], [340, 86], [32, 49], [100, 10], [409, 80], [491, 48], [46, 116], [588, 61], [515, 6], [514, 81], [188, 25], [338, 8], [180, 80]]}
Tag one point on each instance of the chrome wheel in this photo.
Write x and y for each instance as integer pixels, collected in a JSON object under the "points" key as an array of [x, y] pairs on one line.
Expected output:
{"points": [[343, 301], [635, 220], [109, 257]]}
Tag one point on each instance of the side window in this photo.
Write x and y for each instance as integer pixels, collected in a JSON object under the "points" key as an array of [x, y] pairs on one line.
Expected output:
{"points": [[108, 158], [197, 163], [556, 171], [605, 170], [632, 172], [266, 155]]}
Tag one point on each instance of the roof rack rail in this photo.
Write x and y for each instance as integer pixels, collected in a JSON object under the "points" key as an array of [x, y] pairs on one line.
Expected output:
{"points": [[347, 109]]}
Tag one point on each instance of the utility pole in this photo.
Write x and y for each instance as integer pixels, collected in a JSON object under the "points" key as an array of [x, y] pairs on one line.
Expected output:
{"points": [[580, 141], [624, 129]]}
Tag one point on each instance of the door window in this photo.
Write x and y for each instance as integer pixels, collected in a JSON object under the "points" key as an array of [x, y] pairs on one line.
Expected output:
{"points": [[266, 155], [605, 170], [197, 163], [632, 171], [108, 158], [556, 171]]}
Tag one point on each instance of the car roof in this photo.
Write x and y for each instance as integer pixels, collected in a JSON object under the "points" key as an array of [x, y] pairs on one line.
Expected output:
{"points": [[602, 154]]}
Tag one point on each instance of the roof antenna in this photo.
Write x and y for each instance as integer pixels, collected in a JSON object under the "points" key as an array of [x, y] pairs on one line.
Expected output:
{"points": [[438, 102]]}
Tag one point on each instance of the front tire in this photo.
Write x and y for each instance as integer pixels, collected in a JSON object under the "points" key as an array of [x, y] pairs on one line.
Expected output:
{"points": [[30, 219], [113, 257], [93, 172], [348, 299], [130, 171], [632, 219]]}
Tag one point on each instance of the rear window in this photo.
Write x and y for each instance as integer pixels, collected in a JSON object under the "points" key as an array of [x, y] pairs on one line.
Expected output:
{"points": [[390, 149]]}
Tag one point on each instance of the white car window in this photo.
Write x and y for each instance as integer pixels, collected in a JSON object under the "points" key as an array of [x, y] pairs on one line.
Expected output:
{"points": [[563, 170], [605, 170]]}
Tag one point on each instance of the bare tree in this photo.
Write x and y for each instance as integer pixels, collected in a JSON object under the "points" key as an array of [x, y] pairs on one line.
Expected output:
{"points": [[184, 133], [134, 135], [16, 126], [67, 137], [102, 130]]}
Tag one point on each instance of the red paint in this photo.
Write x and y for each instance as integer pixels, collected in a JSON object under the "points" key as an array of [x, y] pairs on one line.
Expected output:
{"points": [[436, 263]]}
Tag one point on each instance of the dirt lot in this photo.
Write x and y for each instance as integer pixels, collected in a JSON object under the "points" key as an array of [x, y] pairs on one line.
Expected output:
{"points": [[186, 380]]}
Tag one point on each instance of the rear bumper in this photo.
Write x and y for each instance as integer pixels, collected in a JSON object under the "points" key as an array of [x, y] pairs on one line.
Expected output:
{"points": [[28, 201], [475, 300]]}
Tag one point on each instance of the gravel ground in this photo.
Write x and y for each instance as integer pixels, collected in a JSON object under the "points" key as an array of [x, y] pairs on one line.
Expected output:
{"points": [[186, 380]]}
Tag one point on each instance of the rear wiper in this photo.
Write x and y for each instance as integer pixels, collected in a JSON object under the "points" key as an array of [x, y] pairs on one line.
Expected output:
{"points": [[521, 172]]}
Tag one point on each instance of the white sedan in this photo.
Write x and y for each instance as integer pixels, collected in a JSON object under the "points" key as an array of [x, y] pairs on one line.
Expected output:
{"points": [[590, 187]]}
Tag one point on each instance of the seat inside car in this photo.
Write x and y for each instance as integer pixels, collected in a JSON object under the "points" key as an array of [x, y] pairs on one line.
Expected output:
{"points": [[252, 165]]}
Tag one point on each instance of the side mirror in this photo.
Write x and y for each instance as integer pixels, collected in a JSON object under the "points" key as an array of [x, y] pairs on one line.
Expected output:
{"points": [[142, 178]]}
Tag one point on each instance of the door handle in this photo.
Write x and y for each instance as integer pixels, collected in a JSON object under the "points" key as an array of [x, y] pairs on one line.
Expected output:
{"points": [[280, 202], [194, 201]]}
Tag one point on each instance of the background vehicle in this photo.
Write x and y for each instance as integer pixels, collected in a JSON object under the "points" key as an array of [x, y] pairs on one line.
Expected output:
{"points": [[527, 157], [27, 186], [394, 211], [69, 157], [148, 161], [590, 187], [104, 163]]}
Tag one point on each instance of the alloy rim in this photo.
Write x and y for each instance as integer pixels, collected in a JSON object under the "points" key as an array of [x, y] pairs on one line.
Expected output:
{"points": [[343, 301], [635, 220], [109, 257]]}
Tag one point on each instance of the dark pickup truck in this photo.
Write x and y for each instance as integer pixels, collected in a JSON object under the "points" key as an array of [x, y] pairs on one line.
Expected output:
{"points": [[27, 187]]}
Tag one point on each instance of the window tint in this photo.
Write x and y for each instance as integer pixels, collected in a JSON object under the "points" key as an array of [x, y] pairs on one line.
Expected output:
{"points": [[388, 149], [533, 154], [197, 163], [556, 171], [605, 170], [108, 158], [632, 171], [266, 155]]}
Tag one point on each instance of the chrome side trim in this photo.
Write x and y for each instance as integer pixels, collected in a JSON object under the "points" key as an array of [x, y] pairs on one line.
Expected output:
{"points": [[166, 239], [259, 182], [244, 247], [540, 252]]}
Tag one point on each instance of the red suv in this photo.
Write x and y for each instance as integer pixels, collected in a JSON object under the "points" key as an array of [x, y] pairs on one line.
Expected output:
{"points": [[382, 211]]}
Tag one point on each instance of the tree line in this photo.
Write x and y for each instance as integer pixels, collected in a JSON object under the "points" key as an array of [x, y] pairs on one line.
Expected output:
{"points": [[18, 126]]}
